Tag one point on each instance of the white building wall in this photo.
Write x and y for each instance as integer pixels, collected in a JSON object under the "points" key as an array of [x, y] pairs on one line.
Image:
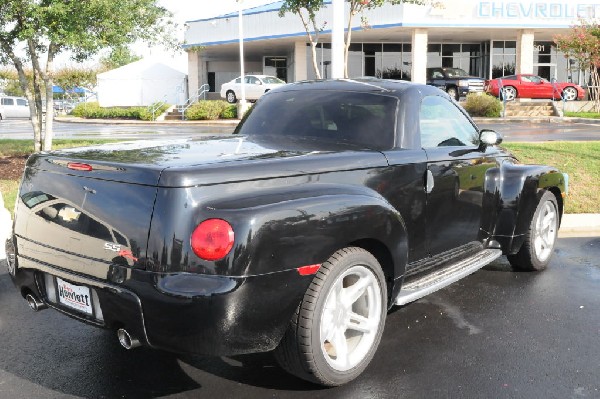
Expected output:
{"points": [[525, 41], [523, 14]]}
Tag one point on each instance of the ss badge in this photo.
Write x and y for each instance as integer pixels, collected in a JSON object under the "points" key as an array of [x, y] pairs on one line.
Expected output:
{"points": [[112, 247]]}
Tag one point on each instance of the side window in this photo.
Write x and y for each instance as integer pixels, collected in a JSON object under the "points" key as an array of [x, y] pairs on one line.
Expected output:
{"points": [[442, 124], [21, 102], [251, 80], [8, 101]]}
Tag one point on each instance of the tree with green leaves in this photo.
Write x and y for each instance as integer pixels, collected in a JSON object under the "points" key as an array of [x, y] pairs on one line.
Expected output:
{"points": [[306, 10], [583, 44], [118, 57], [34, 32]]}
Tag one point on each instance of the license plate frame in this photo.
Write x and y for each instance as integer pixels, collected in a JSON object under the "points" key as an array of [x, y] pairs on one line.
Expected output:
{"points": [[75, 297]]}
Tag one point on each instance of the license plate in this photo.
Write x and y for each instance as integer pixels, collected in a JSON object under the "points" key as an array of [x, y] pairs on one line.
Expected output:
{"points": [[74, 296]]}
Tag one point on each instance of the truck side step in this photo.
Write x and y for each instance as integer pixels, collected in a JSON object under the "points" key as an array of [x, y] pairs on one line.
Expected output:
{"points": [[443, 277]]}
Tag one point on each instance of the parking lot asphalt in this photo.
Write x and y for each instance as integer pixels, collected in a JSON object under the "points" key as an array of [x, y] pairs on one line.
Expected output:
{"points": [[495, 334]]}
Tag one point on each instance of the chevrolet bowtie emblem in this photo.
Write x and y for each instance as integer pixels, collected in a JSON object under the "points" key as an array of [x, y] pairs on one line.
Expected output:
{"points": [[68, 214]]}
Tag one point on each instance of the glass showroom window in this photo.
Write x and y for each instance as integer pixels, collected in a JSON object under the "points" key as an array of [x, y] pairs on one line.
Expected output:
{"points": [[504, 58], [455, 55]]}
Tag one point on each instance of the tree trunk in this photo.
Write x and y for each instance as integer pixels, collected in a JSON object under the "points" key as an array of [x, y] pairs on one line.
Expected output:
{"points": [[594, 90], [31, 98], [313, 49], [313, 42], [347, 44], [46, 76], [49, 81]]}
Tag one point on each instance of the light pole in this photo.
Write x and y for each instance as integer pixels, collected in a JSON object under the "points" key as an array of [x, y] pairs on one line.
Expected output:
{"points": [[242, 105]]}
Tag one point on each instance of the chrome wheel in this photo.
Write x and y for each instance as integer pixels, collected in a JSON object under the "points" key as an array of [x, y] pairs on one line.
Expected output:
{"points": [[569, 94], [539, 240], [337, 327], [546, 226], [509, 93], [351, 318]]}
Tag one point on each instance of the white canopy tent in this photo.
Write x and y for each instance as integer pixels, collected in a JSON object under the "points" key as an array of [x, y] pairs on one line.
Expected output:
{"points": [[141, 83]]}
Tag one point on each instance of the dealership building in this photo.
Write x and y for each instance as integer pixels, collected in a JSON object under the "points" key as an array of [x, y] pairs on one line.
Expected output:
{"points": [[485, 38]]}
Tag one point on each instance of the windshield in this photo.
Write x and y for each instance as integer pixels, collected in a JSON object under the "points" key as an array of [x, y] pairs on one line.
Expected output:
{"points": [[360, 119], [272, 80], [455, 72]]}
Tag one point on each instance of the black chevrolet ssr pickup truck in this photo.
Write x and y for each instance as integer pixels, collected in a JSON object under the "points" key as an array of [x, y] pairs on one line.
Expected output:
{"points": [[332, 202]]}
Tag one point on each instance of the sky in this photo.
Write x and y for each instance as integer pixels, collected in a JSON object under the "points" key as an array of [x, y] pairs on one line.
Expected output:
{"points": [[190, 10]]}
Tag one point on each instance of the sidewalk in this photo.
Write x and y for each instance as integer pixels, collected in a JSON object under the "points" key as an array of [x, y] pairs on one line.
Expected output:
{"points": [[133, 122], [544, 119]]}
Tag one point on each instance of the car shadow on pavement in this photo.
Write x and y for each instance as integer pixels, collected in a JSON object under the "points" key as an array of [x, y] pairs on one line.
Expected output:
{"points": [[49, 352]]}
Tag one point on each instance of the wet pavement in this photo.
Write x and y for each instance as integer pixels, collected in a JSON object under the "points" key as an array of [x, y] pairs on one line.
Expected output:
{"points": [[21, 129], [512, 131], [495, 334], [520, 131]]}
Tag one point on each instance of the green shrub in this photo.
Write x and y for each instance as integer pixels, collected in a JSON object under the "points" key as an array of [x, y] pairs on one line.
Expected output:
{"points": [[93, 110], [230, 112], [210, 110], [483, 105]]}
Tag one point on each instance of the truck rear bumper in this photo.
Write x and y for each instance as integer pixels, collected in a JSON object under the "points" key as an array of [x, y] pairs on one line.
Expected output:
{"points": [[182, 312]]}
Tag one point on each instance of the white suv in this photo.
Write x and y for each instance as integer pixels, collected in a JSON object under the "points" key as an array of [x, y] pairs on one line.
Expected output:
{"points": [[14, 107]]}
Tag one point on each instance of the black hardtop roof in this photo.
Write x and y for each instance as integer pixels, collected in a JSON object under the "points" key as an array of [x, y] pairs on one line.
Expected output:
{"points": [[374, 85]]}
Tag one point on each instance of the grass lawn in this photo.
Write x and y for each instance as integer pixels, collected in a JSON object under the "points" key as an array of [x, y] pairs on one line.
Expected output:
{"points": [[593, 115], [579, 159], [14, 148]]}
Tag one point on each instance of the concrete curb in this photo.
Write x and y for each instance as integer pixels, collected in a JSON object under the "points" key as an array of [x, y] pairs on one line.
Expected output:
{"points": [[5, 227], [580, 222], [231, 123], [545, 119]]}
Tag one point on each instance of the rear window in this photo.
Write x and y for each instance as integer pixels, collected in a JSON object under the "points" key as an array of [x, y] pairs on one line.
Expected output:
{"points": [[362, 119]]}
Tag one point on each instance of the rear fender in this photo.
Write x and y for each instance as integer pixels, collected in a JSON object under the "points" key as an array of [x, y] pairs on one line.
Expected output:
{"points": [[278, 228], [305, 231]]}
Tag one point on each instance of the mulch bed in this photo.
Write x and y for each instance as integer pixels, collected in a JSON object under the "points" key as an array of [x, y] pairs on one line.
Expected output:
{"points": [[11, 168]]}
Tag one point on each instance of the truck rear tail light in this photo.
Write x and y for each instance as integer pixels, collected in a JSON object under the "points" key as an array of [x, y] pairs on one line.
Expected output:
{"points": [[212, 239]]}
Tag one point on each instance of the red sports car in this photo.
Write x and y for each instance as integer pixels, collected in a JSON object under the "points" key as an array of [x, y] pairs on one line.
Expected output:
{"points": [[532, 86]]}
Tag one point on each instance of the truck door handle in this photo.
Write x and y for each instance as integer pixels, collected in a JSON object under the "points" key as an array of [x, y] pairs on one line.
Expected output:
{"points": [[429, 182]]}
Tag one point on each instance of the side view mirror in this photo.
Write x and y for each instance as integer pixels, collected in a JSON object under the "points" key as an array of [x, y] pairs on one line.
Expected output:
{"points": [[258, 82], [489, 137]]}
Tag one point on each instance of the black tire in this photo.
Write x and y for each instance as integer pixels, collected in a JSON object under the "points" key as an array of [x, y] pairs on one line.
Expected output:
{"points": [[231, 98], [302, 353], [536, 251], [453, 92]]}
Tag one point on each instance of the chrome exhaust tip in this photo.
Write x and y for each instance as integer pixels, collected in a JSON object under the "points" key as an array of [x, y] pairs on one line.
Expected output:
{"points": [[126, 340], [34, 303]]}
